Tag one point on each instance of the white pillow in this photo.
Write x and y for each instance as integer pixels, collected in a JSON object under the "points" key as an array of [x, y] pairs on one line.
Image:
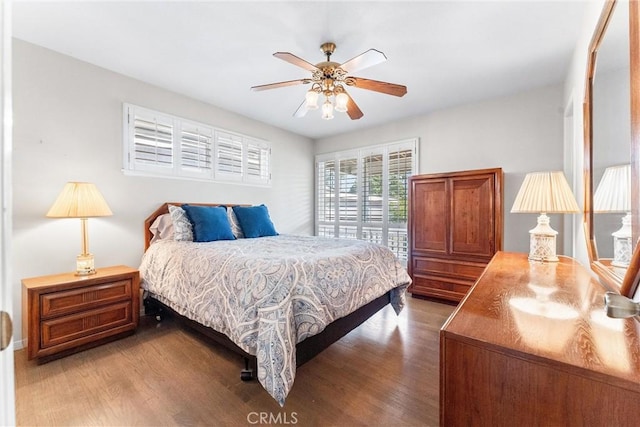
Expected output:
{"points": [[235, 225], [182, 228], [162, 228]]}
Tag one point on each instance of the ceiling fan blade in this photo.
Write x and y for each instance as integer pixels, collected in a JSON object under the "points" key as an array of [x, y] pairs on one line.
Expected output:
{"points": [[281, 84], [378, 86], [364, 60], [302, 110], [292, 59], [353, 110]]}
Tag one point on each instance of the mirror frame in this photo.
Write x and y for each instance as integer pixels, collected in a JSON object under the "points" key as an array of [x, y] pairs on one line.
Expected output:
{"points": [[628, 285]]}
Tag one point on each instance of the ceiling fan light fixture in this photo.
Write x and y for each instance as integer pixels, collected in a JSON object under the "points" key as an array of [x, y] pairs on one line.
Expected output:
{"points": [[330, 78], [342, 99], [327, 110], [311, 100]]}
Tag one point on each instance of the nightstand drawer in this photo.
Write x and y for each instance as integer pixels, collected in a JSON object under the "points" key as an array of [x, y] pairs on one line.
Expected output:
{"points": [[69, 328], [61, 303]]}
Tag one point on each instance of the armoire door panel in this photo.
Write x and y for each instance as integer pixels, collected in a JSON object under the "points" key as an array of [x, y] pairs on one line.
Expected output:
{"points": [[472, 214], [430, 197]]}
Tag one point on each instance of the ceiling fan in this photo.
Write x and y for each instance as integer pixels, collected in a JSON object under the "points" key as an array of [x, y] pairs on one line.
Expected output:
{"points": [[330, 78]]}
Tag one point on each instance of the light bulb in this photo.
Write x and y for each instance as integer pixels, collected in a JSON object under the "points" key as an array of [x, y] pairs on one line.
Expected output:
{"points": [[342, 99], [312, 100], [327, 110]]}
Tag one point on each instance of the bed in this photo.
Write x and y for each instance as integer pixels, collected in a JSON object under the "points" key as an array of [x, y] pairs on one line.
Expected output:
{"points": [[277, 301]]}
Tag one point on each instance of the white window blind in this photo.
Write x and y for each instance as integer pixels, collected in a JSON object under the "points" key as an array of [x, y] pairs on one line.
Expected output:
{"points": [[258, 154], [348, 188], [402, 161], [159, 144], [229, 155], [362, 194], [196, 142], [152, 136], [325, 197]]}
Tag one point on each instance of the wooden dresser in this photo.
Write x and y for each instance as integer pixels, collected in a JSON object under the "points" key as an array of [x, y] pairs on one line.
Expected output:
{"points": [[455, 228], [531, 345], [65, 313]]}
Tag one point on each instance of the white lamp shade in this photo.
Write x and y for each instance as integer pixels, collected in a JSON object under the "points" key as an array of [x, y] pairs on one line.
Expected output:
{"points": [[545, 192], [79, 200], [311, 100], [342, 99], [614, 190], [327, 110]]}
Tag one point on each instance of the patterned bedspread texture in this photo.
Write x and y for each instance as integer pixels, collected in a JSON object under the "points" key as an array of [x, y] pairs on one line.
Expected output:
{"points": [[268, 294]]}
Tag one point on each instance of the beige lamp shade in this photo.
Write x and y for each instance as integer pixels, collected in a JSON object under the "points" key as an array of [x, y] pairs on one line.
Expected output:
{"points": [[545, 192], [542, 193], [614, 190], [79, 200]]}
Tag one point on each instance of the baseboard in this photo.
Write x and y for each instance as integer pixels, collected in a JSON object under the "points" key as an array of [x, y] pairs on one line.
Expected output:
{"points": [[19, 344]]}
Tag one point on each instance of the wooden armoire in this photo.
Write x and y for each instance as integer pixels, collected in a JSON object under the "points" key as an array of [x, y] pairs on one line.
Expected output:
{"points": [[455, 228]]}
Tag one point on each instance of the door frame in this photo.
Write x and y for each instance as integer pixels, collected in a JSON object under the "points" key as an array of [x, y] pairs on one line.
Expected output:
{"points": [[7, 383]]}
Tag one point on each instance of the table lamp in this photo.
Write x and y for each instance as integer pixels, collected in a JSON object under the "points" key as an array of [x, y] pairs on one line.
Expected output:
{"points": [[81, 200], [544, 192], [613, 195]]}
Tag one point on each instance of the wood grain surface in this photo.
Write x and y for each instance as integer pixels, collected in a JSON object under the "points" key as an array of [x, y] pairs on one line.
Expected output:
{"points": [[383, 373], [531, 341]]}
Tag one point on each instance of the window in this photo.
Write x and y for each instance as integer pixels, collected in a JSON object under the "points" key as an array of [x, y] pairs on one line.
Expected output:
{"points": [[159, 144], [362, 194]]}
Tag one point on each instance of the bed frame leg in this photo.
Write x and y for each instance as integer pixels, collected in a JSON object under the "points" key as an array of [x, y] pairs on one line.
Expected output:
{"points": [[247, 373], [152, 309]]}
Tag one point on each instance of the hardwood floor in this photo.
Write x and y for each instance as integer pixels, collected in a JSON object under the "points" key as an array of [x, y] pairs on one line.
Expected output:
{"points": [[383, 373]]}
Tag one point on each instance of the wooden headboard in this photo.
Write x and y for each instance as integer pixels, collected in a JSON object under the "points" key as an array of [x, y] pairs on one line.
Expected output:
{"points": [[163, 209]]}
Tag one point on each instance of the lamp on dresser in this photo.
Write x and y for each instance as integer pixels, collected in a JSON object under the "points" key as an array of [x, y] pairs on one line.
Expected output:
{"points": [[543, 193], [613, 195], [81, 200]]}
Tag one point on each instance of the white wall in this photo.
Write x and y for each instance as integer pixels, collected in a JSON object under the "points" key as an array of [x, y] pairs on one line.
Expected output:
{"points": [[521, 133], [68, 127]]}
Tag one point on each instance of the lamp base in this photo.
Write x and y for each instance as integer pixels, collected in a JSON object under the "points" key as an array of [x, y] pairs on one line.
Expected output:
{"points": [[85, 265], [622, 249], [542, 244]]}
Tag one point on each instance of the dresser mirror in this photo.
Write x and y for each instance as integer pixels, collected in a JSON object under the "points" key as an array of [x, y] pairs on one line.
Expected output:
{"points": [[611, 143]]}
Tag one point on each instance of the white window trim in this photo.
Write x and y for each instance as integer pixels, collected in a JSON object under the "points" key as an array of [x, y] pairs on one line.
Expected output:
{"points": [[175, 171]]}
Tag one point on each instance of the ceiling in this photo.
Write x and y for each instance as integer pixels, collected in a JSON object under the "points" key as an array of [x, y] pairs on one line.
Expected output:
{"points": [[447, 53]]}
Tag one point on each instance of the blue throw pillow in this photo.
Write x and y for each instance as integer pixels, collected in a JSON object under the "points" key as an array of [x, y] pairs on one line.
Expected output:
{"points": [[209, 223], [255, 221]]}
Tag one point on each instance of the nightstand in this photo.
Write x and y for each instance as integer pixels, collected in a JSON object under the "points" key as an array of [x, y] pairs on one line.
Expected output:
{"points": [[65, 313]]}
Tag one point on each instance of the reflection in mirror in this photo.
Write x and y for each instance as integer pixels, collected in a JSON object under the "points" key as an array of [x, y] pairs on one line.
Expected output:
{"points": [[611, 127], [613, 196], [612, 138]]}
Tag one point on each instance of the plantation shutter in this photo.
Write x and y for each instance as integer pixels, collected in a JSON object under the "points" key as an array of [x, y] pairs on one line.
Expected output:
{"points": [[258, 168], [152, 136], [401, 165], [370, 201], [348, 198], [158, 144], [325, 200], [372, 180], [228, 155], [373, 197], [400, 169], [196, 142]]}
